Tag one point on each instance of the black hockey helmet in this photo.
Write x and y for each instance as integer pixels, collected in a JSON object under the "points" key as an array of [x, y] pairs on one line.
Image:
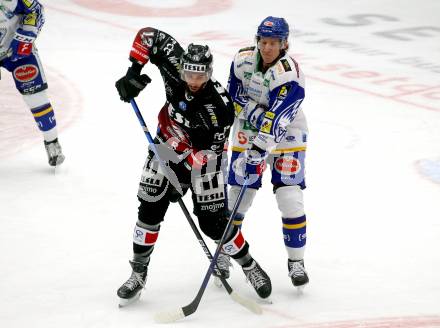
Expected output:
{"points": [[196, 59]]}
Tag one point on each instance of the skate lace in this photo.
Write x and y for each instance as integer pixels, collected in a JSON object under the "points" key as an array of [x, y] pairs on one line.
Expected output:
{"points": [[223, 262], [296, 269], [135, 280], [255, 277]]}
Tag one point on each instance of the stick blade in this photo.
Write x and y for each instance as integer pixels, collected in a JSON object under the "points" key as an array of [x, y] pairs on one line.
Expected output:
{"points": [[169, 316], [247, 303]]}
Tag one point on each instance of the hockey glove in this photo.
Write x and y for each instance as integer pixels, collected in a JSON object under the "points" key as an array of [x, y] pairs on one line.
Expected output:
{"points": [[254, 114], [130, 85], [21, 44], [255, 161]]}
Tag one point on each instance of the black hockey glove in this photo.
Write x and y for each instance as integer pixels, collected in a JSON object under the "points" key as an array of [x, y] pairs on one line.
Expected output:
{"points": [[130, 85]]}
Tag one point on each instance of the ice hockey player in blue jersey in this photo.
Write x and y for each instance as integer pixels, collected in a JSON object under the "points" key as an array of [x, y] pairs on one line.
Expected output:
{"points": [[267, 87], [20, 23]]}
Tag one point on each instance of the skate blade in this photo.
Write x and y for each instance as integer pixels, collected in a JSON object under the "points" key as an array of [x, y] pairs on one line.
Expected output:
{"points": [[265, 300], [300, 289], [56, 168], [123, 302]]}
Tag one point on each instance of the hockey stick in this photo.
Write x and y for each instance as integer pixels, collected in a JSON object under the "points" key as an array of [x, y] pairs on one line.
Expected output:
{"points": [[174, 315], [249, 304]]}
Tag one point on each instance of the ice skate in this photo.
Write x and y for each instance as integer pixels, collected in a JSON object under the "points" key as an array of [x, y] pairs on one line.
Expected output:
{"points": [[258, 279], [54, 152], [131, 290], [223, 264], [297, 273]]}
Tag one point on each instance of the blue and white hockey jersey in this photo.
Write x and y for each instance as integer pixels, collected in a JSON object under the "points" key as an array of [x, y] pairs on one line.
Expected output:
{"points": [[268, 105], [14, 14]]}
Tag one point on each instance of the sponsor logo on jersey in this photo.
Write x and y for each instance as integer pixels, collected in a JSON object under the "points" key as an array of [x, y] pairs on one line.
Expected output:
{"points": [[182, 105], [247, 75], [237, 108], [266, 126], [26, 73], [30, 19], [210, 108], [211, 197], [175, 61], [287, 165], [242, 140], [283, 91], [212, 207], [23, 38], [148, 178], [139, 52], [249, 126], [219, 136], [148, 190], [270, 115]]}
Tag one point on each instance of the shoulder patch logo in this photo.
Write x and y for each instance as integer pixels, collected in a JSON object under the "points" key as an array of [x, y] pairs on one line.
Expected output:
{"points": [[286, 65], [266, 126], [283, 91], [247, 49], [28, 3]]}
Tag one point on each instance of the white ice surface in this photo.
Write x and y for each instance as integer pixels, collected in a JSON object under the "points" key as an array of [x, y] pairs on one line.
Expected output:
{"points": [[373, 167]]}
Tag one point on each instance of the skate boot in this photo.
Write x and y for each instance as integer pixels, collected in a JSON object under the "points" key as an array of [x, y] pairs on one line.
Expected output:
{"points": [[258, 279], [131, 290], [297, 272], [54, 152], [223, 264]]}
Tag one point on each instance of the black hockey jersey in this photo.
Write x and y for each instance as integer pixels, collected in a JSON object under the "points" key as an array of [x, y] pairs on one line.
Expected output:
{"points": [[198, 121]]}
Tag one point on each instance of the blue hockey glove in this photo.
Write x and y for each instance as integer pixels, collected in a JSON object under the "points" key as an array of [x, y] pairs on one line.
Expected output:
{"points": [[21, 44], [254, 114]]}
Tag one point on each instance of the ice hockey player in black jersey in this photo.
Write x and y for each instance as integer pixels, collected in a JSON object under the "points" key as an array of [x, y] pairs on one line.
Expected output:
{"points": [[193, 128]]}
